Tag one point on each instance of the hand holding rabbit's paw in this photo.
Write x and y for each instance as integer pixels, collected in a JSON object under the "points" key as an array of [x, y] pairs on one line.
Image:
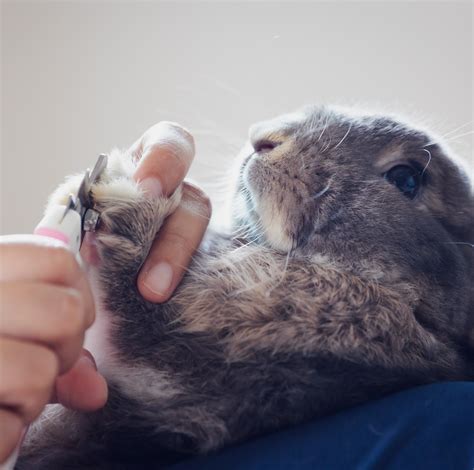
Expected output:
{"points": [[145, 185], [165, 152]]}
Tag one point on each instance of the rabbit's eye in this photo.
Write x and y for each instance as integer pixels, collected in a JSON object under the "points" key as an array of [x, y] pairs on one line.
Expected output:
{"points": [[405, 178]]}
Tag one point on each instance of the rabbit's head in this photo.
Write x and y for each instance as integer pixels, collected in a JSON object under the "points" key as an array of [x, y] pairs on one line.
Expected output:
{"points": [[370, 192]]}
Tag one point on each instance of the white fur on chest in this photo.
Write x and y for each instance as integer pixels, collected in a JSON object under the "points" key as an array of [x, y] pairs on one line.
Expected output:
{"points": [[97, 339], [138, 381]]}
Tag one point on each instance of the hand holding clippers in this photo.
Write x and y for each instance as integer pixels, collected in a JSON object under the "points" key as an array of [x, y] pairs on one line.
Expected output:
{"points": [[69, 223]]}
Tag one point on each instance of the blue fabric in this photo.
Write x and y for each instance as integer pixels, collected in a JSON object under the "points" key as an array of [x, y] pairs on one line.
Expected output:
{"points": [[429, 427]]}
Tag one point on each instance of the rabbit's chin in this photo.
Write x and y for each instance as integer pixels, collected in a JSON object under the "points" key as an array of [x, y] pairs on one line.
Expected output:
{"points": [[272, 221], [267, 219]]}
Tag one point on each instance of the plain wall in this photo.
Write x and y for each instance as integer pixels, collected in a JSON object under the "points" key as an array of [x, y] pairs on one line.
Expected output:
{"points": [[79, 78]]}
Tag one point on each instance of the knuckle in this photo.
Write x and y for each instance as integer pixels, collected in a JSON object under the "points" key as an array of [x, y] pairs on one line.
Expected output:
{"points": [[40, 385], [171, 155], [72, 310], [63, 260], [32, 405], [178, 128], [47, 367], [170, 124], [11, 426], [199, 198], [30, 385], [206, 205], [168, 134], [177, 241], [197, 193]]}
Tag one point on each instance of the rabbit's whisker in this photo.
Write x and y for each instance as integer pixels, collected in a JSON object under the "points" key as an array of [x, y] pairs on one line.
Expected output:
{"points": [[327, 146], [324, 128], [456, 129], [427, 164], [450, 139], [320, 193], [344, 138], [459, 136], [459, 243]]}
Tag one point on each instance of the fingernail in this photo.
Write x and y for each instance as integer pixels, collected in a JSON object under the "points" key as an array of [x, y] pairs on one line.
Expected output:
{"points": [[88, 360], [152, 187], [158, 278]]}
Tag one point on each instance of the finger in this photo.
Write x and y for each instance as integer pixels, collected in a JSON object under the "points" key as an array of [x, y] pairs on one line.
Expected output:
{"points": [[12, 429], [44, 313], [82, 388], [165, 153], [35, 258], [89, 249], [174, 245], [27, 377]]}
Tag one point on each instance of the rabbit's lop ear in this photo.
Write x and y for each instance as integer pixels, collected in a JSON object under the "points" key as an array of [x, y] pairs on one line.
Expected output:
{"points": [[449, 197], [461, 228], [452, 200], [462, 232]]}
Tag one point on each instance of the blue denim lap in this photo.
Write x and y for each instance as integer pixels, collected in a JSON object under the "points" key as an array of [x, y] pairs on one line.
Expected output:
{"points": [[429, 427]]}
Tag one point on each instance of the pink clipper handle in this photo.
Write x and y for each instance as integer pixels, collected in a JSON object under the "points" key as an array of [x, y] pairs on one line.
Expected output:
{"points": [[61, 225]]}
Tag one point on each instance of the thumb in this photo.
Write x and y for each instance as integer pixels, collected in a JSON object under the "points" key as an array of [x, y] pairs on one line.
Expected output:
{"points": [[82, 387]]}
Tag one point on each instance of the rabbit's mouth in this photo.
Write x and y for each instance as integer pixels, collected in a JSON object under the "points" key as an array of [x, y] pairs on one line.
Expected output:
{"points": [[267, 207], [280, 207]]}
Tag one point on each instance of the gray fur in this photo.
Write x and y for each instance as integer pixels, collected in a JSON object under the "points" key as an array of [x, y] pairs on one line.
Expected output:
{"points": [[339, 291]]}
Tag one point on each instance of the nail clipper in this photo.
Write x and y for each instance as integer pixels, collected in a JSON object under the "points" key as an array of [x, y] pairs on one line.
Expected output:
{"points": [[69, 222]]}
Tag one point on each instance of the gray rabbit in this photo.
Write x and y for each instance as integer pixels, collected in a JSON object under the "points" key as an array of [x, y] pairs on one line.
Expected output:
{"points": [[351, 278]]}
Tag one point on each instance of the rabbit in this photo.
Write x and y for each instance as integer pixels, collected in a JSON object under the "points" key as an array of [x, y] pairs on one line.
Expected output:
{"points": [[347, 277]]}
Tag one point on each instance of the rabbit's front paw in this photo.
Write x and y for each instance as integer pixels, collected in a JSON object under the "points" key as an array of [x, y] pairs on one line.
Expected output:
{"points": [[129, 220], [115, 181]]}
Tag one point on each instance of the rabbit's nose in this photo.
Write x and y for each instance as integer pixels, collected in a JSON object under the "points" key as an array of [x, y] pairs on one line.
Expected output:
{"points": [[264, 138], [264, 145]]}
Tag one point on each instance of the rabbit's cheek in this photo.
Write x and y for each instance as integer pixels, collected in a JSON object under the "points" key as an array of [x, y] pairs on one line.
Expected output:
{"points": [[257, 178], [270, 200]]}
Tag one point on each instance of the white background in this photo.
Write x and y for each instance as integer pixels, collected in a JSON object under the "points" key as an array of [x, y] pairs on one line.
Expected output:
{"points": [[81, 77]]}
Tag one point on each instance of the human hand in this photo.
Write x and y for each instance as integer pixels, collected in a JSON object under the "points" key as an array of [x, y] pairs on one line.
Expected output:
{"points": [[45, 307], [164, 154]]}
